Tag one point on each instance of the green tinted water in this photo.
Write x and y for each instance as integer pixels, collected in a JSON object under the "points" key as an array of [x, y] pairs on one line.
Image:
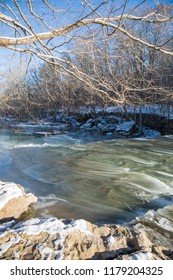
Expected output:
{"points": [[97, 179]]}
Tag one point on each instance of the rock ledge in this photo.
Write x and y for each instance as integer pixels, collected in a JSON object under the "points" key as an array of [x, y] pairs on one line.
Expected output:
{"points": [[13, 200]]}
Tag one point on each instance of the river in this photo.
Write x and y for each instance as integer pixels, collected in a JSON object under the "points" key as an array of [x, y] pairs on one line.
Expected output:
{"points": [[79, 175]]}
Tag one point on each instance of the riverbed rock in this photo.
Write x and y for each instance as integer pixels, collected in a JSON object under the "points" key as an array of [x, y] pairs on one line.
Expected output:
{"points": [[13, 200]]}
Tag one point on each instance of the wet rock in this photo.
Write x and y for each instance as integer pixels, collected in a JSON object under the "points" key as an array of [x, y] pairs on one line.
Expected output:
{"points": [[13, 200]]}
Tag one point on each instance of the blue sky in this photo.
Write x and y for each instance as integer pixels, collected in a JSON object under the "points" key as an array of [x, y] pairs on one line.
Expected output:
{"points": [[9, 59]]}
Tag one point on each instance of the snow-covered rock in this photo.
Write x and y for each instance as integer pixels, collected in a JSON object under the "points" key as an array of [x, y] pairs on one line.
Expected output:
{"points": [[59, 239], [150, 132], [74, 123], [51, 238], [113, 119], [126, 128], [88, 124], [13, 200]]}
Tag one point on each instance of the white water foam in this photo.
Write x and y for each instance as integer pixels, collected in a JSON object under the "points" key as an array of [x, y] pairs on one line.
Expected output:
{"points": [[149, 184]]}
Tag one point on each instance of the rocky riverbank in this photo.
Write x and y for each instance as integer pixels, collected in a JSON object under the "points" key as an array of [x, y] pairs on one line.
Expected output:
{"points": [[51, 238], [107, 122], [148, 121]]}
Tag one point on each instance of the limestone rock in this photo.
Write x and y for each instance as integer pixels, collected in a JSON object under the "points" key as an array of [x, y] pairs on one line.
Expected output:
{"points": [[163, 252], [142, 243], [13, 200], [50, 238]]}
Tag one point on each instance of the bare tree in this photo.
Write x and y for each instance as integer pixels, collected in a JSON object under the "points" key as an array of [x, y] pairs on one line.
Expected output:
{"points": [[47, 31]]}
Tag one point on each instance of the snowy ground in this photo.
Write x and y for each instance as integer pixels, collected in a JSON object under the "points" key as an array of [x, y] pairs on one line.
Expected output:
{"points": [[154, 109]]}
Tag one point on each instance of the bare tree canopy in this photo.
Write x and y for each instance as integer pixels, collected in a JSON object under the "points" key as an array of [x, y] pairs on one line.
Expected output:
{"points": [[24, 32], [114, 48]]}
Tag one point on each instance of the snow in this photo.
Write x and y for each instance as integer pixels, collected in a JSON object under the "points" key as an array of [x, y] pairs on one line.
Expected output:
{"points": [[88, 124], [16, 254], [110, 241], [114, 109], [150, 132], [50, 225], [141, 256], [8, 191], [110, 127], [46, 252], [113, 118], [154, 109], [74, 123]]}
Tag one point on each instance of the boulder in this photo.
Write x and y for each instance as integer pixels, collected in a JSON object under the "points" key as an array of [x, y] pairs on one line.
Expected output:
{"points": [[126, 128], [13, 200], [89, 123]]}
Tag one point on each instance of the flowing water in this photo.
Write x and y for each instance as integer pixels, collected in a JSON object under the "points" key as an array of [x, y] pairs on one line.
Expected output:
{"points": [[75, 175]]}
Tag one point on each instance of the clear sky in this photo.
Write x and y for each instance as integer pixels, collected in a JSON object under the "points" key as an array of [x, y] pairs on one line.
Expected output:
{"points": [[73, 8]]}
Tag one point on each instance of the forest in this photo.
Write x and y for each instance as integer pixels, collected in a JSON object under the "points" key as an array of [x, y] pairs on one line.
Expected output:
{"points": [[102, 54]]}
